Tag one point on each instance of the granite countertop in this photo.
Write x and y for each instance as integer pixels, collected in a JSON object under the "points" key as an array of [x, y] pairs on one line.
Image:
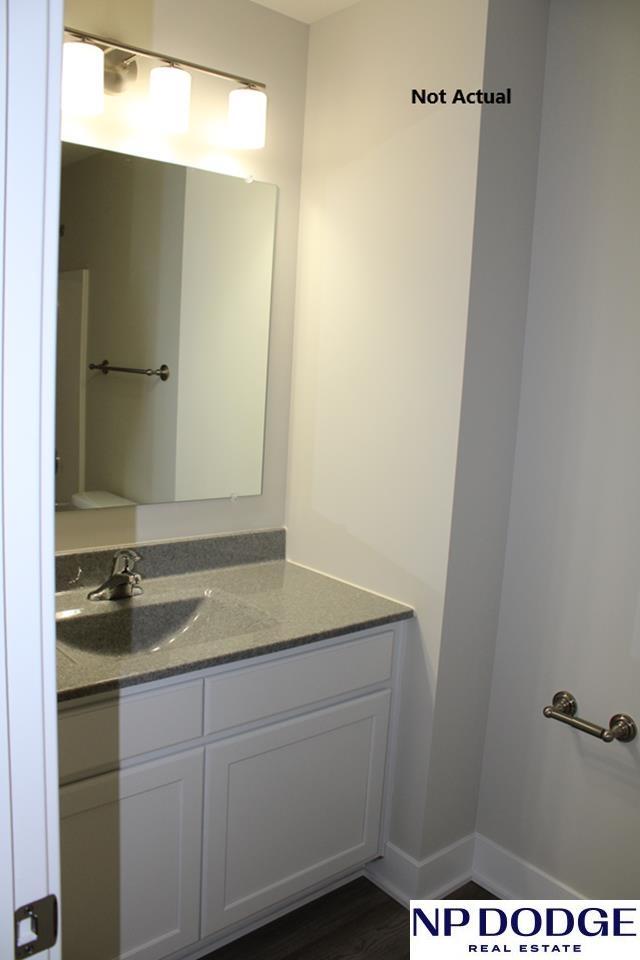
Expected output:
{"points": [[188, 621]]}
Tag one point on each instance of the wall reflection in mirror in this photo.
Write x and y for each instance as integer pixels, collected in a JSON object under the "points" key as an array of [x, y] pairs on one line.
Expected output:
{"points": [[160, 265]]}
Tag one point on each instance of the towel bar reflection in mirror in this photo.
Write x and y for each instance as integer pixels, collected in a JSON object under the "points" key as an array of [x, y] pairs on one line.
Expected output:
{"points": [[105, 367]]}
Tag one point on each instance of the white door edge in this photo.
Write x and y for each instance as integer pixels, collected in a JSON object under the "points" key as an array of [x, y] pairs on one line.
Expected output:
{"points": [[30, 45]]}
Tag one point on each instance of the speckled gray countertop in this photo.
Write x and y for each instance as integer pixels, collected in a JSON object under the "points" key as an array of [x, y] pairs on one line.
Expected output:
{"points": [[199, 619]]}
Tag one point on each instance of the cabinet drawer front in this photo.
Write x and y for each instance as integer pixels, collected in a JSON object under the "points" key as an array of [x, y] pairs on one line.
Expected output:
{"points": [[291, 805], [254, 693], [131, 849], [97, 737]]}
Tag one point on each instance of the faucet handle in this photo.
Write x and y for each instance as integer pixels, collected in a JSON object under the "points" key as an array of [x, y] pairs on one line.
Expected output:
{"points": [[124, 561], [135, 580]]}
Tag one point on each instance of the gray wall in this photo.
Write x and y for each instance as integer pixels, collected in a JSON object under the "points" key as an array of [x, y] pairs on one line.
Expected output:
{"points": [[507, 175], [570, 614]]}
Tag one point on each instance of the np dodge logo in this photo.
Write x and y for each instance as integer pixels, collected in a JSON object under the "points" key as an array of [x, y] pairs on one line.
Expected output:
{"points": [[452, 929]]}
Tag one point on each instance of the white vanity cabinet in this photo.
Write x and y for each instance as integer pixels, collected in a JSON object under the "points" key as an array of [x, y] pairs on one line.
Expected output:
{"points": [[291, 805], [193, 807], [131, 862]]}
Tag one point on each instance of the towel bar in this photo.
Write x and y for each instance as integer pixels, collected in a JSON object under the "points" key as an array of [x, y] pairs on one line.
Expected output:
{"points": [[621, 727], [162, 372]]}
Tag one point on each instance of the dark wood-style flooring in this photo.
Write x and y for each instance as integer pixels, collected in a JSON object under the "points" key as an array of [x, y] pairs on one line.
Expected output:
{"points": [[356, 922]]}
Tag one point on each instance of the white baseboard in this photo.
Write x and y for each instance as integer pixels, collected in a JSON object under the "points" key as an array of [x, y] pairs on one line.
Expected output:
{"points": [[511, 878], [405, 879], [401, 876], [475, 857]]}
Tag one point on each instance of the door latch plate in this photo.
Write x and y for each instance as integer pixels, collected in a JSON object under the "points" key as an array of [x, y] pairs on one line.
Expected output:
{"points": [[36, 927]]}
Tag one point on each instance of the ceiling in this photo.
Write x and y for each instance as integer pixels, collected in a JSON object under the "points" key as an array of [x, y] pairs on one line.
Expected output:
{"points": [[306, 10]]}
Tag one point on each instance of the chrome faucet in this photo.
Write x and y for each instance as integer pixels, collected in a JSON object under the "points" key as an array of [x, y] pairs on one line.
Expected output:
{"points": [[123, 582]]}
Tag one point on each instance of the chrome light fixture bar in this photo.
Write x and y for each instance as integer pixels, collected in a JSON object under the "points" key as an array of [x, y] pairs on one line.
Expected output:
{"points": [[91, 63], [109, 44]]}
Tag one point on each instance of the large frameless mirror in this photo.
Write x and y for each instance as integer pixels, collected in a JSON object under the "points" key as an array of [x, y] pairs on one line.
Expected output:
{"points": [[163, 331]]}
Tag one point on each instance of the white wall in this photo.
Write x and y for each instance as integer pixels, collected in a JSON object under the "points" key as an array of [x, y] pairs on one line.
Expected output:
{"points": [[569, 618], [115, 19], [415, 251], [387, 223], [244, 38]]}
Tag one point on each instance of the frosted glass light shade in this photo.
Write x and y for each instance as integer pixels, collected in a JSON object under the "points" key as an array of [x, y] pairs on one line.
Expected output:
{"points": [[82, 79], [170, 96], [247, 119]]}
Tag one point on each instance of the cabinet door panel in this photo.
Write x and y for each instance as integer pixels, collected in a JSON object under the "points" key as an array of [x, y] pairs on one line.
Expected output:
{"points": [[291, 805], [131, 861]]}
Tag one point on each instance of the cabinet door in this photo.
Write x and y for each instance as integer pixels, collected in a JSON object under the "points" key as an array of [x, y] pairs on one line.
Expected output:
{"points": [[131, 860], [290, 805]]}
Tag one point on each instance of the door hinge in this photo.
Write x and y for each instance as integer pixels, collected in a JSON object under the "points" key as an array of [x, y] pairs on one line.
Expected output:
{"points": [[36, 926]]}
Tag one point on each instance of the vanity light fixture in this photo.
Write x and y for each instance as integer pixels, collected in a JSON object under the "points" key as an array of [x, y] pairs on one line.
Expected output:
{"points": [[247, 120], [82, 78], [170, 98], [169, 87]]}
